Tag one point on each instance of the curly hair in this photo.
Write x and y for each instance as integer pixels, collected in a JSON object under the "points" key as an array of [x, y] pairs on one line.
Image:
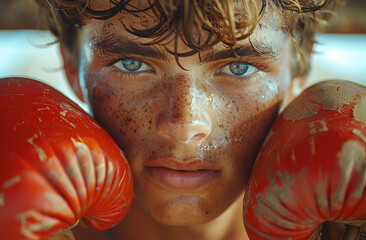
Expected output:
{"points": [[215, 20]]}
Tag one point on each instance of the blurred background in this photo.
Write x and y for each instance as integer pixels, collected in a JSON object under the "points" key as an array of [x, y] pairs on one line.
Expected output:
{"points": [[22, 14], [26, 50]]}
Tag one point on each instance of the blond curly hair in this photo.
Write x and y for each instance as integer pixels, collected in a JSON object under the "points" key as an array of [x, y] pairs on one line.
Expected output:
{"points": [[215, 20]]}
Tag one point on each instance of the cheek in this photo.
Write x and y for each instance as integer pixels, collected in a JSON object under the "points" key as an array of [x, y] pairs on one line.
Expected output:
{"points": [[250, 116], [111, 107], [128, 117]]}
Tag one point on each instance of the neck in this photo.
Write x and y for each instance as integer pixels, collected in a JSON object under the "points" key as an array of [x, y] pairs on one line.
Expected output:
{"points": [[139, 225]]}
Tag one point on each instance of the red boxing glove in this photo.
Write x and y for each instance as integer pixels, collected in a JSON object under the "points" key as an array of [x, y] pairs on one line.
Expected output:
{"points": [[312, 168], [58, 166]]}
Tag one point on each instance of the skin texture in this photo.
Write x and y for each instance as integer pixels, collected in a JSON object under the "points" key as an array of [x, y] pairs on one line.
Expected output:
{"points": [[199, 117]]}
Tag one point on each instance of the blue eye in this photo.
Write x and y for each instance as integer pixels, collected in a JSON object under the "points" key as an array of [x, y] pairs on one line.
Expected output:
{"points": [[131, 65], [238, 69]]}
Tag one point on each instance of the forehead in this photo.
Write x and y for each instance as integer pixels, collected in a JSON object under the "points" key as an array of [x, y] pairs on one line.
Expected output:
{"points": [[268, 32], [142, 13]]}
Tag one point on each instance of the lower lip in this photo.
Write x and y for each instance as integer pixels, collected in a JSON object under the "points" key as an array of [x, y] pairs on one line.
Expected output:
{"points": [[182, 179]]}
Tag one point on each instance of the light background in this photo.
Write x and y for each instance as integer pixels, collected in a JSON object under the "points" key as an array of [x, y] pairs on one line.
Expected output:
{"points": [[339, 54], [33, 53]]}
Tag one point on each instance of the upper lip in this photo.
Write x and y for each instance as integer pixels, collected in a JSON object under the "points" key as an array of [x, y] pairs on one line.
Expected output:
{"points": [[190, 164]]}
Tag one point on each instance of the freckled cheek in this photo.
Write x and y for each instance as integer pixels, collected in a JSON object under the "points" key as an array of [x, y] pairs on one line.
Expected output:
{"points": [[247, 124], [128, 116], [106, 109], [123, 112]]}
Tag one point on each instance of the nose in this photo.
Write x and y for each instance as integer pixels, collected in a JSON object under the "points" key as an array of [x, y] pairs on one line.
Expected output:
{"points": [[184, 117]]}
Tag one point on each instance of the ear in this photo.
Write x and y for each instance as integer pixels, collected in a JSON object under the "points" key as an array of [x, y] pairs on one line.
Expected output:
{"points": [[71, 72], [296, 87], [298, 83]]}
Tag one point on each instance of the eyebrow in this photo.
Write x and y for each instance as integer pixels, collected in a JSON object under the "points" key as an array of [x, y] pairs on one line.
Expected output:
{"points": [[113, 44], [265, 51]]}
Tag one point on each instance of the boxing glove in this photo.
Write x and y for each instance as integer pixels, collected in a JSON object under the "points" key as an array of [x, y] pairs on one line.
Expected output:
{"points": [[311, 168], [58, 167]]}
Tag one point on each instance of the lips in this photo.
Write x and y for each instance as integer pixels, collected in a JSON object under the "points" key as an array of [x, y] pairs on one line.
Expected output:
{"points": [[171, 173]]}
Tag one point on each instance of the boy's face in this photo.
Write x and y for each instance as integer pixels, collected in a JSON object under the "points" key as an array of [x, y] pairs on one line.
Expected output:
{"points": [[190, 135]]}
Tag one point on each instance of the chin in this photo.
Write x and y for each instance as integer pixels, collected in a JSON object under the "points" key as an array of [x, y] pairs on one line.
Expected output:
{"points": [[184, 210]]}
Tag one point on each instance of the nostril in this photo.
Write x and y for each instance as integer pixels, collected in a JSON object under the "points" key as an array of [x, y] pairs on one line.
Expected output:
{"points": [[189, 128], [183, 136], [167, 136], [175, 137], [197, 137]]}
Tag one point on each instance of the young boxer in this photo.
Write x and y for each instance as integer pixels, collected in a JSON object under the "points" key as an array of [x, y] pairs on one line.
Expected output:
{"points": [[188, 90]]}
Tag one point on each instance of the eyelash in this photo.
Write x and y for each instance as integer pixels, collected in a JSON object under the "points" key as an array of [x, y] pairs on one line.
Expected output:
{"points": [[127, 73], [260, 68], [246, 78]]}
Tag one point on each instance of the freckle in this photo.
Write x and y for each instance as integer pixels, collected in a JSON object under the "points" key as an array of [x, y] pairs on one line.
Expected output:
{"points": [[206, 212]]}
